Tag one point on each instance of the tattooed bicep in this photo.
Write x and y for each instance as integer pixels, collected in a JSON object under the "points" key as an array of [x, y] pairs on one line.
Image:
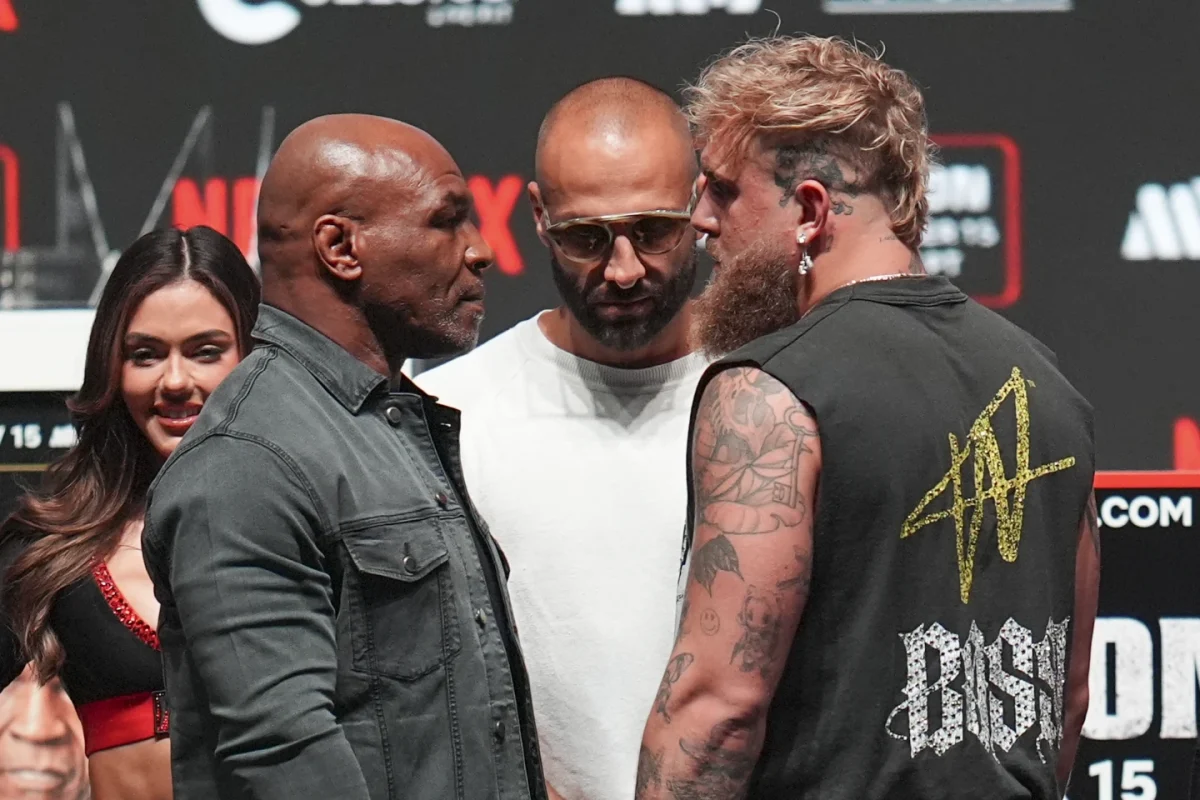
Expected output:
{"points": [[752, 437], [744, 406], [755, 458], [754, 465]]}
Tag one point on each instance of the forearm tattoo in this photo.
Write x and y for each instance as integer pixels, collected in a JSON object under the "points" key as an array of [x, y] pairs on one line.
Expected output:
{"points": [[722, 765], [675, 669]]}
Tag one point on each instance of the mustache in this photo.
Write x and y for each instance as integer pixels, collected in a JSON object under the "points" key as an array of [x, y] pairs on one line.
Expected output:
{"points": [[473, 294], [607, 292]]}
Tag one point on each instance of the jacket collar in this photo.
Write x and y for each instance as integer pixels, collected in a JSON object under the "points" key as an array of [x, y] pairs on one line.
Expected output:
{"points": [[343, 376]]}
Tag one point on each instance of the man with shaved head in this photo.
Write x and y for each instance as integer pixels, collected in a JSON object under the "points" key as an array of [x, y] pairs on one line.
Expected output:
{"points": [[335, 622], [574, 424]]}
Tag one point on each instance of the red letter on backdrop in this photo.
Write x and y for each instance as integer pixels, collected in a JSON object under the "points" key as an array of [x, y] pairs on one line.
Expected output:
{"points": [[190, 210], [8, 17], [495, 209], [245, 198], [12, 197], [1187, 444], [213, 209]]}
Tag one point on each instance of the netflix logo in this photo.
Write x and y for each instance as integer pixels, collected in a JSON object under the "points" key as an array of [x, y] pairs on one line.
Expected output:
{"points": [[212, 205], [494, 203], [228, 205], [71, 271]]}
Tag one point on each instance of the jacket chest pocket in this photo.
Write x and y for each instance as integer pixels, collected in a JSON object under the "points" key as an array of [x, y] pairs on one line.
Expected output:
{"points": [[404, 619]]}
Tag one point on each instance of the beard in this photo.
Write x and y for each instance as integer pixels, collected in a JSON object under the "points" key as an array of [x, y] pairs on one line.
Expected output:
{"points": [[432, 333], [747, 297], [581, 296]]}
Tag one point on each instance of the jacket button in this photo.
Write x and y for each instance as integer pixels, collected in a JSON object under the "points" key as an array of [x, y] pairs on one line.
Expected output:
{"points": [[442, 499], [394, 415], [481, 617], [500, 731], [410, 564]]}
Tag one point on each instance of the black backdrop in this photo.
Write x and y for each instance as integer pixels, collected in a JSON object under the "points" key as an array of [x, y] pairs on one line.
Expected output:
{"points": [[1081, 117], [1068, 201]]}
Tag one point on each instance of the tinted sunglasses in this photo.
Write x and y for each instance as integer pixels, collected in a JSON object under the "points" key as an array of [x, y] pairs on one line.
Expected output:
{"points": [[589, 239]]}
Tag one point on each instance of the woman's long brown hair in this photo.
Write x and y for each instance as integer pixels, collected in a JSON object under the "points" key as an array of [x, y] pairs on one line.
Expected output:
{"points": [[75, 517]]}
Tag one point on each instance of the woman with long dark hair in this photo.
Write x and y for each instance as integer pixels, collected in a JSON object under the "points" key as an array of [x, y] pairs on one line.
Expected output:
{"points": [[174, 319]]}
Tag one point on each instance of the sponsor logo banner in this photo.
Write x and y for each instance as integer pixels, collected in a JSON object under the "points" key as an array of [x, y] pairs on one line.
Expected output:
{"points": [[1140, 731], [250, 23], [941, 6], [974, 231], [666, 8], [1165, 223]]}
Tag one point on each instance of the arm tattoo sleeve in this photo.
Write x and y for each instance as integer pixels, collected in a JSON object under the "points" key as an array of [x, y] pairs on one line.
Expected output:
{"points": [[649, 771], [745, 464], [723, 765], [671, 676], [755, 457]]}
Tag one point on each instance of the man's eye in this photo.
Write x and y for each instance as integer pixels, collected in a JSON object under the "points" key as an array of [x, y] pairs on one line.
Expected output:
{"points": [[450, 220], [721, 190]]}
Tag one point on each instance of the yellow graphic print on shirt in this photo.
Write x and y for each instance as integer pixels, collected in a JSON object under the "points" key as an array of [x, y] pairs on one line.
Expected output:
{"points": [[991, 483]]}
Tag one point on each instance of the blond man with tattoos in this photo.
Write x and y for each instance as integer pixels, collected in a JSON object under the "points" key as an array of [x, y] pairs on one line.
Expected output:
{"points": [[891, 569]]}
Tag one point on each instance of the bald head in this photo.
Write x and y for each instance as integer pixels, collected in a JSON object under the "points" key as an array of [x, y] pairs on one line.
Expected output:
{"points": [[610, 119], [335, 165], [617, 148], [365, 233]]}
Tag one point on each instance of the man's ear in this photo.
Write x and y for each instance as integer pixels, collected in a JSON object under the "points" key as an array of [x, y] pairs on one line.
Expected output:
{"points": [[334, 243], [538, 206], [814, 204]]}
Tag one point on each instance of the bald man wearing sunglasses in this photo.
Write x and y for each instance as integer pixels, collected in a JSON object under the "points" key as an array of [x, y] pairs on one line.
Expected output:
{"points": [[574, 427]]}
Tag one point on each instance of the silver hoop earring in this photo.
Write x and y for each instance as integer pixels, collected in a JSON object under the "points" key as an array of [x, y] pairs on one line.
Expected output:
{"points": [[806, 263]]}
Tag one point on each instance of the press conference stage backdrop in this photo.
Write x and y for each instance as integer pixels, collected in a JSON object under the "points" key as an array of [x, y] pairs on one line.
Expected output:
{"points": [[1068, 199]]}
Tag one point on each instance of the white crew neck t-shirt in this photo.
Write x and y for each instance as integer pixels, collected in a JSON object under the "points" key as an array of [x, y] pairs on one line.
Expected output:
{"points": [[579, 471]]}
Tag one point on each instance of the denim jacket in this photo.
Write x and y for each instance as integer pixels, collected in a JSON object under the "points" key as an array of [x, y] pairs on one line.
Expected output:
{"points": [[335, 623]]}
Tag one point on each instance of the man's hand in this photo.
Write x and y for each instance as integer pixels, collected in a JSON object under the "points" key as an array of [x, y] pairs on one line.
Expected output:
{"points": [[755, 461]]}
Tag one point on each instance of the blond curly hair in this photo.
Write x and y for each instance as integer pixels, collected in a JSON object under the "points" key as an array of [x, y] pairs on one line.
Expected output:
{"points": [[809, 96]]}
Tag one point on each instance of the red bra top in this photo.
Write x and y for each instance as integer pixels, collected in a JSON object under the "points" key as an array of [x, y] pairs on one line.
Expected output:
{"points": [[112, 655]]}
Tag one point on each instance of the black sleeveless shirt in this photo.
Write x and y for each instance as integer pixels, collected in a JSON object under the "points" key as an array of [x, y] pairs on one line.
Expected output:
{"points": [[956, 465]]}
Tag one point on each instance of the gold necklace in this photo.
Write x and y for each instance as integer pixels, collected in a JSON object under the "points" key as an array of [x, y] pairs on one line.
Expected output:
{"points": [[888, 277], [880, 278]]}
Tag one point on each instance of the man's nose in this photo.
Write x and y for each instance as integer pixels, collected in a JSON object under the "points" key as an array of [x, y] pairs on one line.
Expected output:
{"points": [[624, 268], [704, 220], [479, 255], [38, 720]]}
